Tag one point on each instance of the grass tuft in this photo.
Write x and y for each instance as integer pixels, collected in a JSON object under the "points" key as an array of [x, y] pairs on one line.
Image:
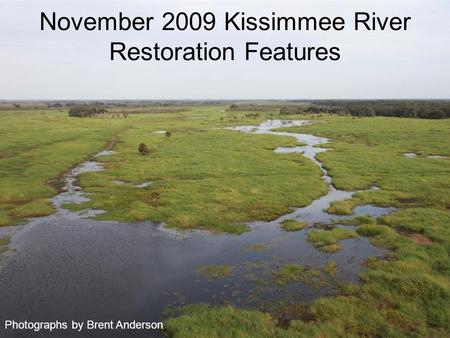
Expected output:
{"points": [[292, 225], [213, 272], [340, 208], [328, 240], [289, 273]]}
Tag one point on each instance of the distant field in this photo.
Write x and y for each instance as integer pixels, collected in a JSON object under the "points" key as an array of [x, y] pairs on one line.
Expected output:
{"points": [[202, 176]]}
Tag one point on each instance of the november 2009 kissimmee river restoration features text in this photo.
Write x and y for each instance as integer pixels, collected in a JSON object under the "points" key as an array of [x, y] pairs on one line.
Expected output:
{"points": [[224, 22]]}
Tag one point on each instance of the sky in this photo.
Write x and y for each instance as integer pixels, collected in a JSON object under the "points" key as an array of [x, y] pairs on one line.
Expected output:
{"points": [[50, 65]]}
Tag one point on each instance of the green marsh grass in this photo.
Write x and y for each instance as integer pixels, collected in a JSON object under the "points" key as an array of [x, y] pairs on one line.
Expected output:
{"points": [[328, 240], [4, 243], [292, 225], [216, 271], [219, 179], [205, 177], [406, 294], [38, 147]]}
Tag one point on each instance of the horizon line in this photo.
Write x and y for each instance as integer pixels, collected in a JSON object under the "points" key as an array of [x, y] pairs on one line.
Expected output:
{"points": [[231, 99]]}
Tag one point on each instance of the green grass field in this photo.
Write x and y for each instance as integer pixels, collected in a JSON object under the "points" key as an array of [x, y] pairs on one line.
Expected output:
{"points": [[36, 148], [209, 178], [407, 294], [201, 177]]}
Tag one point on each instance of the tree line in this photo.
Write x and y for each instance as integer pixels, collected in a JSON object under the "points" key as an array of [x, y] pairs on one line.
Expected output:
{"points": [[426, 109], [86, 111]]}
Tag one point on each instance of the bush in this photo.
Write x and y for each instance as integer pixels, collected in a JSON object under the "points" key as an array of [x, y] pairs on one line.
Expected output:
{"points": [[143, 149]]}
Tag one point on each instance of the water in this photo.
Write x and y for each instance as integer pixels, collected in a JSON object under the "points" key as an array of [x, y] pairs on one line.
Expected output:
{"points": [[313, 213], [414, 155], [143, 185], [67, 266]]}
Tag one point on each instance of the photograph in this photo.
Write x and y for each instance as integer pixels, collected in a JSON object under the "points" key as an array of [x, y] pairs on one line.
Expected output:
{"points": [[225, 169]]}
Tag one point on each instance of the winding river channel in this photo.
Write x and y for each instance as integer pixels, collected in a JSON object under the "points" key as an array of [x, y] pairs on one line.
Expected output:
{"points": [[68, 266]]}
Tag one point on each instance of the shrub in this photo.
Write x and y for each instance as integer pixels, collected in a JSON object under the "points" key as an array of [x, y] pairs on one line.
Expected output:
{"points": [[143, 149]]}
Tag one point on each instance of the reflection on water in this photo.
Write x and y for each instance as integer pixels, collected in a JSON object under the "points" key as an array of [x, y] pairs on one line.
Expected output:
{"points": [[66, 266]]}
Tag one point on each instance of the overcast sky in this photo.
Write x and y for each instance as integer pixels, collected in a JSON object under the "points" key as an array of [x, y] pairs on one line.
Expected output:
{"points": [[37, 64]]}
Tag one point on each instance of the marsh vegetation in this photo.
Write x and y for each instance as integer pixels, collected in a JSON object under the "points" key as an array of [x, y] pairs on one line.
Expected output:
{"points": [[206, 177], [292, 225]]}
